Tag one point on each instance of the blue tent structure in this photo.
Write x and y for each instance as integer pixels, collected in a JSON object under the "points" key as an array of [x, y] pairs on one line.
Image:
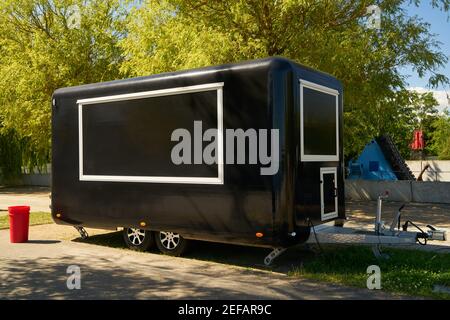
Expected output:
{"points": [[380, 160]]}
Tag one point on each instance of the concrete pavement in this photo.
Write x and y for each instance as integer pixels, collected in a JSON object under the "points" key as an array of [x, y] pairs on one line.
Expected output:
{"points": [[423, 213], [37, 270]]}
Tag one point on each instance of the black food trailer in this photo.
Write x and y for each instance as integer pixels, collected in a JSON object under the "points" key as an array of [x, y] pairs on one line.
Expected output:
{"points": [[247, 153], [113, 159]]}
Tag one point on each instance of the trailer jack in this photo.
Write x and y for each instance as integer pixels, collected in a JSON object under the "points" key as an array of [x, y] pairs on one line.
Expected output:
{"points": [[376, 250], [83, 233], [273, 255]]}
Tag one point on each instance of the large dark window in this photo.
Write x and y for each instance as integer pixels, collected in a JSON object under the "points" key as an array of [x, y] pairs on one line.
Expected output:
{"points": [[133, 137]]}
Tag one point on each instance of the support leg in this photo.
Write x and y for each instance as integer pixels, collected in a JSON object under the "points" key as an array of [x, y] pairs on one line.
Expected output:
{"points": [[376, 249], [82, 231], [272, 255]]}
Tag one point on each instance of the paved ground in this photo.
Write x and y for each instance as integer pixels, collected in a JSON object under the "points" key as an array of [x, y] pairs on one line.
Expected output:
{"points": [[37, 270], [422, 213], [35, 197]]}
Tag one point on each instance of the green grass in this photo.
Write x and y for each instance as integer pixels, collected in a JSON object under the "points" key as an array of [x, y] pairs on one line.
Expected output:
{"points": [[35, 219], [405, 272]]}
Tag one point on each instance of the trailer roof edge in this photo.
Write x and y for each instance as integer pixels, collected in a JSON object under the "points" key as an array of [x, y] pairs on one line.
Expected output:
{"points": [[189, 72]]}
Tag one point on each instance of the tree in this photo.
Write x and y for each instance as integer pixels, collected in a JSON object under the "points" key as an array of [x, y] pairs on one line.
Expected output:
{"points": [[426, 113], [440, 141], [329, 35], [42, 48], [399, 116], [10, 156]]}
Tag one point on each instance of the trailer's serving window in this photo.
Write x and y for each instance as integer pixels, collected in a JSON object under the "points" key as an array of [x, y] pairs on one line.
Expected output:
{"points": [[127, 138], [319, 124]]}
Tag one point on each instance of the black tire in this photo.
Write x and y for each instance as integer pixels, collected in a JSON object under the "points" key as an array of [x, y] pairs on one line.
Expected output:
{"points": [[138, 239], [171, 243]]}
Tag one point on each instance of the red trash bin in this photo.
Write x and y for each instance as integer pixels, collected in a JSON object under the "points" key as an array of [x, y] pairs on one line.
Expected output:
{"points": [[19, 218]]}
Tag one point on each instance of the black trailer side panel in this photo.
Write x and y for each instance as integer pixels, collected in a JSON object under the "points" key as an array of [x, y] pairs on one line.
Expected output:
{"points": [[119, 143]]}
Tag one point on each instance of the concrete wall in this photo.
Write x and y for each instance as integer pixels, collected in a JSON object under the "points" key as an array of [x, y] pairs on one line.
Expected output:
{"points": [[405, 191], [439, 170], [35, 179], [31, 179]]}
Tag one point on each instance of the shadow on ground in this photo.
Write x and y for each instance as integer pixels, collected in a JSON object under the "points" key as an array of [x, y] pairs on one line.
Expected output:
{"points": [[43, 241], [123, 276], [243, 256], [49, 277]]}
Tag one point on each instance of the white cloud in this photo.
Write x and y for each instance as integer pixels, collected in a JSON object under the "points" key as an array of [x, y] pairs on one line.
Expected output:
{"points": [[439, 95]]}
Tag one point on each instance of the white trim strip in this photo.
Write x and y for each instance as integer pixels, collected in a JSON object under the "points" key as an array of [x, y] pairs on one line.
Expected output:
{"points": [[309, 157], [80, 139], [155, 179], [157, 93], [154, 93], [319, 87], [220, 152]]}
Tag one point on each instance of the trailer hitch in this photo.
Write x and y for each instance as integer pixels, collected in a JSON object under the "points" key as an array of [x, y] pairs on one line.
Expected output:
{"points": [[434, 234], [83, 233], [395, 234], [431, 234]]}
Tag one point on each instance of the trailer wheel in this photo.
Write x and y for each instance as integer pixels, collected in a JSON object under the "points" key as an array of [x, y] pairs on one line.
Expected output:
{"points": [[171, 243], [138, 239]]}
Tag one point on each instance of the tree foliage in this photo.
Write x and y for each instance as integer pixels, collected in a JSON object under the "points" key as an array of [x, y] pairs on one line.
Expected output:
{"points": [[10, 156], [440, 141], [40, 51], [398, 116]]}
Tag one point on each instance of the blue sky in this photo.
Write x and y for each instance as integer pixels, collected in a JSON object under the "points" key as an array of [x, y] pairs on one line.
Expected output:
{"points": [[441, 27]]}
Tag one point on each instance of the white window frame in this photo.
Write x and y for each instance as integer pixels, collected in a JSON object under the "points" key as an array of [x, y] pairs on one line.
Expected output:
{"points": [[310, 157], [218, 86], [329, 215]]}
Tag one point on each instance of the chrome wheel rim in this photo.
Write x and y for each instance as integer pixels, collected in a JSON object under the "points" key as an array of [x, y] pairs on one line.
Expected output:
{"points": [[136, 236], [169, 240]]}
